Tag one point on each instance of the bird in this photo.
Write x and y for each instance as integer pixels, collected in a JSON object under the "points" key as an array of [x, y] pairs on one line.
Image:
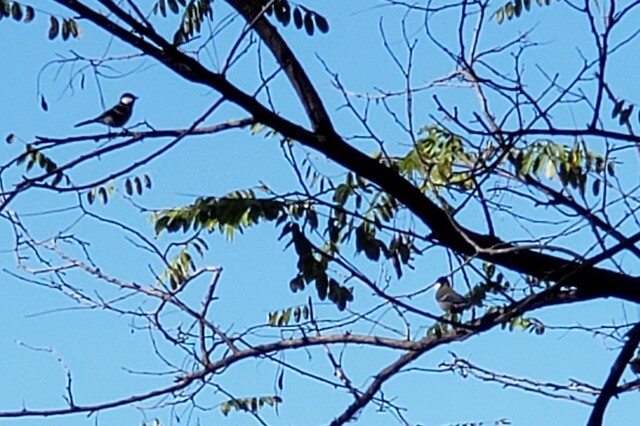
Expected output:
{"points": [[448, 299], [117, 116]]}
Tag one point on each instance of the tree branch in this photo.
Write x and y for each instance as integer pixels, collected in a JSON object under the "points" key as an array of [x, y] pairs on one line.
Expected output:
{"points": [[610, 388], [447, 231]]}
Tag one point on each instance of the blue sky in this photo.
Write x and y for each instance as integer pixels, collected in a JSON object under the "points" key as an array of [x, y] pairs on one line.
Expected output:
{"points": [[96, 345]]}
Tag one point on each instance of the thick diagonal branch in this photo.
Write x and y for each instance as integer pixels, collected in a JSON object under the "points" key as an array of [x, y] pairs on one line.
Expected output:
{"points": [[285, 57], [597, 282]]}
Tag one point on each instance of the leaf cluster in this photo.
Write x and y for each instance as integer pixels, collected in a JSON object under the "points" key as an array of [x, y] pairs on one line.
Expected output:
{"points": [[34, 157], [229, 214], [102, 193], [180, 269], [302, 16], [514, 8], [381, 209], [623, 112], [68, 28], [283, 318], [531, 325], [252, 404], [433, 160], [16, 11], [240, 209], [572, 165], [313, 267], [194, 13], [132, 185], [137, 184]]}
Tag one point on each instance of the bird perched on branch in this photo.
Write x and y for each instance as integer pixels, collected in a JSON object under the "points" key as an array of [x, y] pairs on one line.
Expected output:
{"points": [[448, 299], [117, 116]]}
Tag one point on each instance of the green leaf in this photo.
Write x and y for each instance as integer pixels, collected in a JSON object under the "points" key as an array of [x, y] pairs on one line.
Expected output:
{"points": [[128, 188], [297, 18], [296, 284], [312, 218], [5, 8], [341, 194], [57, 178], [16, 11], [282, 11], [624, 115], [54, 28], [284, 318], [179, 38], [550, 169], [65, 30], [321, 23], [102, 193], [74, 28], [173, 5], [372, 250], [405, 254], [322, 286], [225, 407], [617, 108], [517, 8], [138, 185], [308, 23]]}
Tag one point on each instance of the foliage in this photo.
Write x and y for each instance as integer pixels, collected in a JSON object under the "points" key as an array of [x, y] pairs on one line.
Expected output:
{"points": [[66, 27], [283, 318], [249, 404], [296, 218], [17, 11], [495, 190], [194, 12], [513, 9], [433, 160], [193, 15], [283, 11]]}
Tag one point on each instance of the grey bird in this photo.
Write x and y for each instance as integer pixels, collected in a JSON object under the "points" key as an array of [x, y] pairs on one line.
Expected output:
{"points": [[448, 299], [117, 116]]}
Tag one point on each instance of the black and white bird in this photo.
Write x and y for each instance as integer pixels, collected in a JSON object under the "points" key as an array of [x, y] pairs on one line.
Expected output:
{"points": [[117, 116], [448, 299]]}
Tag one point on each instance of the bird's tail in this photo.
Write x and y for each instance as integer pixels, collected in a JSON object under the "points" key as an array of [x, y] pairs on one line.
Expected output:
{"points": [[85, 122]]}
